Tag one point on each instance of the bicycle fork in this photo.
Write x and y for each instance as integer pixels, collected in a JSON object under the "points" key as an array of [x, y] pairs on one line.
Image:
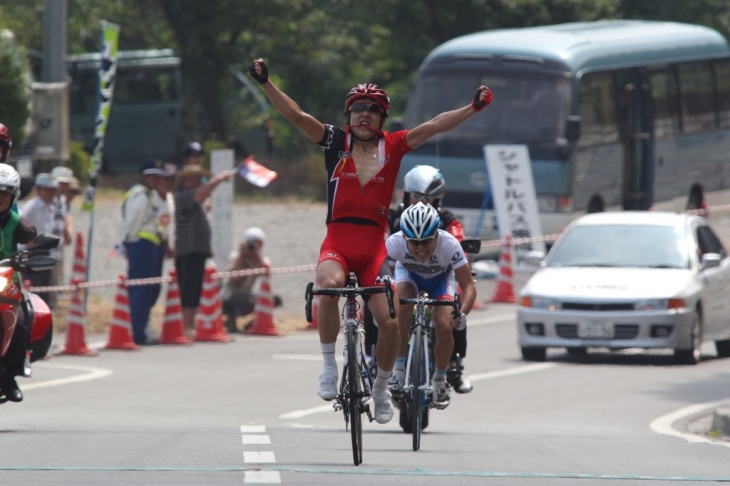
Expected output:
{"points": [[352, 325], [426, 385]]}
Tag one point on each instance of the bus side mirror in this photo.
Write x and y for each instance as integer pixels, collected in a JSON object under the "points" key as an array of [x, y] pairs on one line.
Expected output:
{"points": [[396, 124], [572, 128]]}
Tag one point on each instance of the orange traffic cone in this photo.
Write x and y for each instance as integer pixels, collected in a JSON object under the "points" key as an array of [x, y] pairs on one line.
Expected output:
{"points": [[315, 311], [78, 269], [173, 330], [504, 292], [120, 329], [210, 319], [75, 335], [263, 321]]}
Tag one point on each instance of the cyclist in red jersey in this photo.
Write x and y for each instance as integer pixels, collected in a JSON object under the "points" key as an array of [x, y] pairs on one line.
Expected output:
{"points": [[362, 164]]}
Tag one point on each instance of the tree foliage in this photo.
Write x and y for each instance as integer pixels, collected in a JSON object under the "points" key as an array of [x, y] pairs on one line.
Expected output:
{"points": [[14, 87], [316, 50]]}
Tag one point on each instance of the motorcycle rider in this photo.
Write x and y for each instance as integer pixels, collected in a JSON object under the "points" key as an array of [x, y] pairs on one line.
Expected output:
{"points": [[426, 184], [17, 230]]}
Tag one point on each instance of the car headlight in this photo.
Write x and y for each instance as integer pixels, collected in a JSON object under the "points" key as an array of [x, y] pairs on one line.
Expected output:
{"points": [[660, 304], [539, 302]]}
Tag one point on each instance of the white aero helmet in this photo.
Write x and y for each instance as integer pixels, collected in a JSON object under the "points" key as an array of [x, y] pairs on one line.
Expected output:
{"points": [[9, 180], [424, 181], [419, 221]]}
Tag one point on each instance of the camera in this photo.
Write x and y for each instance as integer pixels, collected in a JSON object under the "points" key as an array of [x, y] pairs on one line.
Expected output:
{"points": [[251, 246]]}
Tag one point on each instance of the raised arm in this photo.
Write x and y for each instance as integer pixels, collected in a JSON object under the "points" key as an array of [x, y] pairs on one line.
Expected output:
{"points": [[289, 109], [449, 119]]}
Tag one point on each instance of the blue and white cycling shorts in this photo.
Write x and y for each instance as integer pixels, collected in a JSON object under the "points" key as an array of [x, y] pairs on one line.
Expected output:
{"points": [[440, 287]]}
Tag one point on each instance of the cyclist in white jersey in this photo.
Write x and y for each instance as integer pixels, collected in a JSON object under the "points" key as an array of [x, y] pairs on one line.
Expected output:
{"points": [[427, 258]]}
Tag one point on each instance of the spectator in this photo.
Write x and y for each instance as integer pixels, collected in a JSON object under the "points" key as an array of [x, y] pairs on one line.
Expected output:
{"points": [[165, 207], [142, 240], [194, 154], [239, 295], [61, 218], [193, 235], [39, 212]]}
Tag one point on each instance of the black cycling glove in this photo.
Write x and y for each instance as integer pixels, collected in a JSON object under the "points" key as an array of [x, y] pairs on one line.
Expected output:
{"points": [[478, 104], [261, 78]]}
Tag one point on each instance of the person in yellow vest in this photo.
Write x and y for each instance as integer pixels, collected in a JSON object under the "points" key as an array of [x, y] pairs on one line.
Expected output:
{"points": [[142, 239]]}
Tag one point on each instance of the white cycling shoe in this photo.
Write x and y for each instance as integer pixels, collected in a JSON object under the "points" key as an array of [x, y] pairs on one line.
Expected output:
{"points": [[327, 384], [383, 406]]}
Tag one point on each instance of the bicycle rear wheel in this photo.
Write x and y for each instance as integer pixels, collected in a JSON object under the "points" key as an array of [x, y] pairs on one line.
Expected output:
{"points": [[418, 398], [354, 398]]}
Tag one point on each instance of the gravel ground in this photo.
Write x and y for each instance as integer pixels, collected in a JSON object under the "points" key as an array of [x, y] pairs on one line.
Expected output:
{"points": [[294, 232]]}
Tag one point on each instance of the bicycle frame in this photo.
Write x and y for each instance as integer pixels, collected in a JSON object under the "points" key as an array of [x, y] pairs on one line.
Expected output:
{"points": [[418, 390], [354, 390]]}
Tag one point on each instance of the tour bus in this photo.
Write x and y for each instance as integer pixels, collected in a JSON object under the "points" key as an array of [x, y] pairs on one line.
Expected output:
{"points": [[146, 111], [616, 114]]}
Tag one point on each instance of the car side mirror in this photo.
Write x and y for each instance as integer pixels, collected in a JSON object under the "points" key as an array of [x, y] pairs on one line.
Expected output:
{"points": [[710, 260], [533, 258], [572, 128], [471, 245]]}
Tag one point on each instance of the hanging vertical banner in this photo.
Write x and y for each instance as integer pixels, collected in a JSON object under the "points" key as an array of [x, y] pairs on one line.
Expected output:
{"points": [[107, 76], [513, 190]]}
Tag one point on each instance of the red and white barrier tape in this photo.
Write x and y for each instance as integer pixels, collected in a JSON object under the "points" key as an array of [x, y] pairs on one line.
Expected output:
{"points": [[309, 268]]}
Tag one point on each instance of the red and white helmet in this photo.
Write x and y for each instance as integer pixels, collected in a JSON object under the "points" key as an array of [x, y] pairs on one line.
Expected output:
{"points": [[5, 143], [370, 91]]}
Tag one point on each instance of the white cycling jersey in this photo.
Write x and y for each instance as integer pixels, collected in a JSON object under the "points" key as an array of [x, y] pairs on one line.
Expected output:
{"points": [[447, 256]]}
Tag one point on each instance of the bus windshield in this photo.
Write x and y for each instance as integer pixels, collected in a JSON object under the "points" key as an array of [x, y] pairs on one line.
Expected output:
{"points": [[540, 97]]}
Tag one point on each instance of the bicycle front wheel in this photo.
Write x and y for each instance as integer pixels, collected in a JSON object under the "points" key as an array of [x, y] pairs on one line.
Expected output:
{"points": [[354, 399], [417, 397]]}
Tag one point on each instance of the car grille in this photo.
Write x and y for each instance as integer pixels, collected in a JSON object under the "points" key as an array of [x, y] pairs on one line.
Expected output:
{"points": [[607, 307], [621, 331]]}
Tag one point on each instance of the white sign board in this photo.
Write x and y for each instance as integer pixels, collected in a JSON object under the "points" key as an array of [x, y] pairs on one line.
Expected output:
{"points": [[221, 214], [513, 192]]}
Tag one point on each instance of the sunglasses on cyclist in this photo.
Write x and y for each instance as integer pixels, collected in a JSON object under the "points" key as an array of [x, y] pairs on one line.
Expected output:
{"points": [[421, 241], [361, 107], [425, 199]]}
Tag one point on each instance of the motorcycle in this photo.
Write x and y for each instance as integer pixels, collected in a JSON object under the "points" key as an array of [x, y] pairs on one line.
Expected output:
{"points": [[32, 258]]}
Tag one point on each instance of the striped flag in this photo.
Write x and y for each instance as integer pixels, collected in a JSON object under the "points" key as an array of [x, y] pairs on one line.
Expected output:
{"points": [[255, 173]]}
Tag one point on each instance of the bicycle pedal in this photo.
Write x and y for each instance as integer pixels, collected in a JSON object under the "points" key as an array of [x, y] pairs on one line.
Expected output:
{"points": [[337, 406], [440, 405], [367, 411]]}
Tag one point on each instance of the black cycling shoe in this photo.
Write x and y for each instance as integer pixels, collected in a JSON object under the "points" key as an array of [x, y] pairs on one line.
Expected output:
{"points": [[11, 390], [456, 378]]}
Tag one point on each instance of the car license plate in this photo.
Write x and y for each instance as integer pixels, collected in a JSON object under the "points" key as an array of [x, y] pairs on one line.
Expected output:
{"points": [[595, 330]]}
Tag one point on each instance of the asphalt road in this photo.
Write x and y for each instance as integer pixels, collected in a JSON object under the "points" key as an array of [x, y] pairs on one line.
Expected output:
{"points": [[246, 412]]}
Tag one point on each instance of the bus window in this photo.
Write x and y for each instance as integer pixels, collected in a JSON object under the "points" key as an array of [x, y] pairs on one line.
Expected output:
{"points": [[697, 97], [722, 75], [663, 90], [598, 110]]}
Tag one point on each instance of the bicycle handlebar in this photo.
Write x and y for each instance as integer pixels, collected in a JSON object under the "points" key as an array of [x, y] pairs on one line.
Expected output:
{"points": [[350, 293], [456, 303]]}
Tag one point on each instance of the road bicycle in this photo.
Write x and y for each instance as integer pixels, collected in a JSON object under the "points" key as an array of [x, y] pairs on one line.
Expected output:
{"points": [[417, 395], [355, 386]]}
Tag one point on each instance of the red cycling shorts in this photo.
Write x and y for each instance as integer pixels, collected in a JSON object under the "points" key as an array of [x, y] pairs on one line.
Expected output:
{"points": [[358, 248]]}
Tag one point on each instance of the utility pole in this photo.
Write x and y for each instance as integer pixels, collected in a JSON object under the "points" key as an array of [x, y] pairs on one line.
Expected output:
{"points": [[49, 137]]}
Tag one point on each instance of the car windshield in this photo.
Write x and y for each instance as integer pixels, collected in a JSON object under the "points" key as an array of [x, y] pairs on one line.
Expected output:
{"points": [[528, 107], [621, 246]]}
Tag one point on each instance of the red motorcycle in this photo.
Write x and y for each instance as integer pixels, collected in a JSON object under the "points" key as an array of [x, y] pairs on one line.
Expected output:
{"points": [[33, 258]]}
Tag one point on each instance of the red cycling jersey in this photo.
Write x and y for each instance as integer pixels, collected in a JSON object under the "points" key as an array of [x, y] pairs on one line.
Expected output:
{"points": [[357, 215]]}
